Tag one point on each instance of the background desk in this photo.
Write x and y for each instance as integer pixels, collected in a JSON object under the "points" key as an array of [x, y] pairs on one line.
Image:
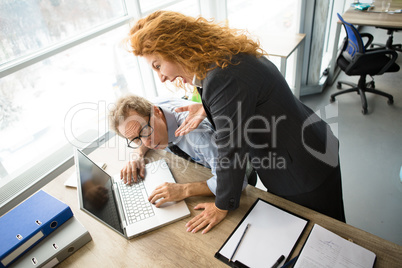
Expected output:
{"points": [[283, 45], [374, 18], [172, 246]]}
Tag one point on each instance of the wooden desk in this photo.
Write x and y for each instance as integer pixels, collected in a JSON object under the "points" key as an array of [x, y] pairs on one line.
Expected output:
{"points": [[374, 18], [283, 45], [172, 246]]}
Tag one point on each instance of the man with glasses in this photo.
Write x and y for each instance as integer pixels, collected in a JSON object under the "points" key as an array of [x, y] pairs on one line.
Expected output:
{"points": [[146, 126]]}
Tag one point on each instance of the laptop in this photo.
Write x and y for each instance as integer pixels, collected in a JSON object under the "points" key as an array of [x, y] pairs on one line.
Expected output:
{"points": [[125, 208]]}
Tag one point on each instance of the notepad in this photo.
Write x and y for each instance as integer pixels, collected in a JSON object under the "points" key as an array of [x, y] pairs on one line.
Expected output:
{"points": [[272, 232], [323, 248]]}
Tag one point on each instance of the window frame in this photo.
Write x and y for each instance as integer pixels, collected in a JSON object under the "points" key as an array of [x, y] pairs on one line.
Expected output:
{"points": [[15, 190], [49, 51]]}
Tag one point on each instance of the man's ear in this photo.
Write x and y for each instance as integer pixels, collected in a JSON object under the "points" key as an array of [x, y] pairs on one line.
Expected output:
{"points": [[156, 111]]}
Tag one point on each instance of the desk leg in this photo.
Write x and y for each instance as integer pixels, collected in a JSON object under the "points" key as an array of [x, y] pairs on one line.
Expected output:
{"points": [[331, 75], [283, 67]]}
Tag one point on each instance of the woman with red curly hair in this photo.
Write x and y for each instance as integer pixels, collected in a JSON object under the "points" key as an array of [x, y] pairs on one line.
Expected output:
{"points": [[255, 114]]}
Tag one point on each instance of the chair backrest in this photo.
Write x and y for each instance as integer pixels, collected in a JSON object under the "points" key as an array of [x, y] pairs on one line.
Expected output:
{"points": [[354, 43]]}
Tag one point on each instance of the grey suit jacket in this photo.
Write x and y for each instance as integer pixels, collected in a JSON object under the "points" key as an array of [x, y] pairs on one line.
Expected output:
{"points": [[256, 116]]}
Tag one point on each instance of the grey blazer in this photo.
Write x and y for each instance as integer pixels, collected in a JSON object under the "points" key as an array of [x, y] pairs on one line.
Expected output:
{"points": [[256, 116]]}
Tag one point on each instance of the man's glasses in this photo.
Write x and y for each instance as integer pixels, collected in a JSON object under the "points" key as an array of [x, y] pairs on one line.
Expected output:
{"points": [[145, 132]]}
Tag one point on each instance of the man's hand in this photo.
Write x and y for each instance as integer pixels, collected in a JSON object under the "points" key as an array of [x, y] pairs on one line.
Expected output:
{"points": [[133, 169], [195, 116], [210, 217], [167, 192]]}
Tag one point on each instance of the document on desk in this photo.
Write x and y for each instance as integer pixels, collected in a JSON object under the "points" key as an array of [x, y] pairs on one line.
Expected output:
{"points": [[272, 232], [323, 248]]}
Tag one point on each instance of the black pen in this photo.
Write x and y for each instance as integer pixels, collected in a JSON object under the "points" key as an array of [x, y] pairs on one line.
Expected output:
{"points": [[238, 244], [276, 264]]}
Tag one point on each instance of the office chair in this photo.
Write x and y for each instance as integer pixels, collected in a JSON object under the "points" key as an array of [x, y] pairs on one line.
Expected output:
{"points": [[389, 44], [356, 59]]}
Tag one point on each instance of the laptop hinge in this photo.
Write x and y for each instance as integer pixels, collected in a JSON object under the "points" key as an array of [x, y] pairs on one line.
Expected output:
{"points": [[120, 207]]}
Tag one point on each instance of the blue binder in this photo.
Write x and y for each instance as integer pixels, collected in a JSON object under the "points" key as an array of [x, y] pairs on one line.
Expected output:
{"points": [[56, 247], [28, 223]]}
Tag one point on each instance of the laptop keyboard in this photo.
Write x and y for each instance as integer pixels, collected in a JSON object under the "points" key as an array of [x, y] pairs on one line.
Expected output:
{"points": [[135, 201]]}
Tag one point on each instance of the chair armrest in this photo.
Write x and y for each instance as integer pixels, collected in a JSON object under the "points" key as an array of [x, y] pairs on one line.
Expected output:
{"points": [[393, 55], [369, 41]]}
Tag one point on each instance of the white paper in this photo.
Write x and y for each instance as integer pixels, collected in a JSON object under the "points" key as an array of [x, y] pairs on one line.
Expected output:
{"points": [[273, 232], [326, 249]]}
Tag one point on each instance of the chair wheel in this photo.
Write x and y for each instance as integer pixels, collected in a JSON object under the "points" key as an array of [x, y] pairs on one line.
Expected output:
{"points": [[390, 101], [364, 111], [339, 85], [332, 99]]}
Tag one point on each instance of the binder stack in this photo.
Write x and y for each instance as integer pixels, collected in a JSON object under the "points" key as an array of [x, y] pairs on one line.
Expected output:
{"points": [[56, 247], [30, 226]]}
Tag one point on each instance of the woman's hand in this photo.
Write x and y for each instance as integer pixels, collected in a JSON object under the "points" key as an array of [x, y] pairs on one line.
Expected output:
{"points": [[167, 192], [195, 116], [210, 217], [133, 169]]}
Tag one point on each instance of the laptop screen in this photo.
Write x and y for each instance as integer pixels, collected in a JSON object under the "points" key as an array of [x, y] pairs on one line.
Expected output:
{"points": [[95, 188]]}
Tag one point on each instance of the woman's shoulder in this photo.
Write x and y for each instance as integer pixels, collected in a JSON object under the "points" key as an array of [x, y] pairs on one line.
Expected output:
{"points": [[240, 58], [242, 63], [243, 66]]}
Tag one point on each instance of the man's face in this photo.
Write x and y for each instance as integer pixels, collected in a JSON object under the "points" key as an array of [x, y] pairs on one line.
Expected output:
{"points": [[134, 123]]}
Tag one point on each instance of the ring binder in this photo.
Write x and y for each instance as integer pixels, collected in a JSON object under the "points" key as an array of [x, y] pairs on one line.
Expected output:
{"points": [[56, 247], [28, 223]]}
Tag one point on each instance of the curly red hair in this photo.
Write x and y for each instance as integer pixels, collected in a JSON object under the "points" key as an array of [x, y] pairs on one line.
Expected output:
{"points": [[197, 44]]}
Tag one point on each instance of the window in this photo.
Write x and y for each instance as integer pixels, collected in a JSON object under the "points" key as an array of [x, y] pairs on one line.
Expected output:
{"points": [[188, 7], [51, 99], [61, 65], [28, 26], [39, 91]]}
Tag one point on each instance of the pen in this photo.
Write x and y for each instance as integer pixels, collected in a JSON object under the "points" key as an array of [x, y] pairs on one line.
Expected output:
{"points": [[238, 244], [276, 264]]}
